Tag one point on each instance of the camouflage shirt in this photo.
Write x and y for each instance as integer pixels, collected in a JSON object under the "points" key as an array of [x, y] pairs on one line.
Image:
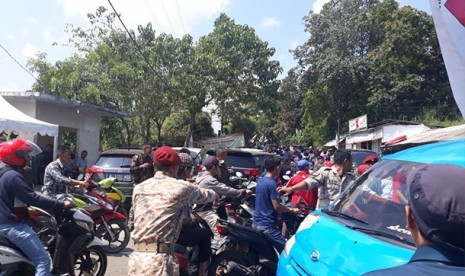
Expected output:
{"points": [[139, 174], [329, 184], [158, 205]]}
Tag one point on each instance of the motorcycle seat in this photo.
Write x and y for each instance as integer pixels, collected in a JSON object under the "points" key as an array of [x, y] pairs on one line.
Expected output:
{"points": [[180, 248], [249, 235], [7, 243]]}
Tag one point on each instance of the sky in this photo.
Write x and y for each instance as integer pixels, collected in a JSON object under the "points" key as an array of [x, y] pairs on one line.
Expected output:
{"points": [[31, 26]]}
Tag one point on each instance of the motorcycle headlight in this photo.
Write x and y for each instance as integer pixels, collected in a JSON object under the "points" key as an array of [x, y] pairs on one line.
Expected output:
{"points": [[89, 226], [108, 206]]}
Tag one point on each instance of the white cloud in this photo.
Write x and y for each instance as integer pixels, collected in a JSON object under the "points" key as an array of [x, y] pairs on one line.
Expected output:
{"points": [[165, 15], [270, 22], [24, 32], [318, 5], [29, 50], [47, 34]]}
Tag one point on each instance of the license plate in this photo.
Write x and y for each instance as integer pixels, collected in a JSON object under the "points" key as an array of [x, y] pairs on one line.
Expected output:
{"points": [[121, 177]]}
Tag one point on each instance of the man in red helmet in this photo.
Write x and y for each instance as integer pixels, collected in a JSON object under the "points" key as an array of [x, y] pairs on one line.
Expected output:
{"points": [[159, 204], [16, 195]]}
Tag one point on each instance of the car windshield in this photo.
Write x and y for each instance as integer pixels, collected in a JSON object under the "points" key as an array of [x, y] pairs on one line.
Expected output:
{"points": [[241, 161], [114, 161], [378, 198], [359, 156]]}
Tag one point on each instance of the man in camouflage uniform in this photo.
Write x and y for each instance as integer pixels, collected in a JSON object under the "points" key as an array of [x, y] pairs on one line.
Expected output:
{"points": [[330, 181], [158, 204], [141, 169], [142, 165]]}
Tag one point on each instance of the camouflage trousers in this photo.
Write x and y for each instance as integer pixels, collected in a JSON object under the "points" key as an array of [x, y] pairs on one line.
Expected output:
{"points": [[211, 218], [152, 264]]}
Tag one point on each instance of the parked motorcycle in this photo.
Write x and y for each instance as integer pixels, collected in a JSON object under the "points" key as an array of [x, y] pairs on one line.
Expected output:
{"points": [[106, 191], [110, 225], [253, 253], [74, 249]]}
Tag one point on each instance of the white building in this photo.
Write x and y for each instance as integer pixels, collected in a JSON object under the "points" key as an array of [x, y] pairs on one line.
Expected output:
{"points": [[80, 120], [379, 133]]}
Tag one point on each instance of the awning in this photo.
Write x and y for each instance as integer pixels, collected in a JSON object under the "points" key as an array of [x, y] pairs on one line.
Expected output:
{"points": [[12, 119]]}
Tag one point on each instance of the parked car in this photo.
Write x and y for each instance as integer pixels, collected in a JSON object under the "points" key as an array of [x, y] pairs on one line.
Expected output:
{"points": [[359, 232], [115, 163], [249, 162]]}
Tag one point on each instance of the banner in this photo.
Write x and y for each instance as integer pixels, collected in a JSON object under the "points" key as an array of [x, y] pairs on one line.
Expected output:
{"points": [[449, 20], [231, 141], [358, 123]]}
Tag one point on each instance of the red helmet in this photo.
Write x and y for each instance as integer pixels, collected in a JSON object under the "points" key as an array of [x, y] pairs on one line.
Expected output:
{"points": [[14, 152]]}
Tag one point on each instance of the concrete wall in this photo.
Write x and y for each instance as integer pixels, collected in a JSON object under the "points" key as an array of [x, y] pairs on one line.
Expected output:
{"points": [[84, 122]]}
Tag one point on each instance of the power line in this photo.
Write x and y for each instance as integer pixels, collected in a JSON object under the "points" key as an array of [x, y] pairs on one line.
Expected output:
{"points": [[17, 62], [180, 17], [132, 39], [167, 16], [152, 13]]}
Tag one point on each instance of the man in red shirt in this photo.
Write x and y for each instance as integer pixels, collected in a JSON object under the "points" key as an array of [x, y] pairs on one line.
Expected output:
{"points": [[308, 198]]}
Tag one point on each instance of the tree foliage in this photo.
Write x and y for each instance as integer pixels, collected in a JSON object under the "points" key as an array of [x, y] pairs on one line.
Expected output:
{"points": [[156, 76], [368, 57]]}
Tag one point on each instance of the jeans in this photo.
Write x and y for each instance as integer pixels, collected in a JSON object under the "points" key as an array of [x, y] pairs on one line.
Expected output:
{"points": [[27, 240], [273, 233]]}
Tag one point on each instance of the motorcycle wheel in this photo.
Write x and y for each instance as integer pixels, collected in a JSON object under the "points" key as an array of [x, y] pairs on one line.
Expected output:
{"points": [[120, 230], [223, 262], [91, 261]]}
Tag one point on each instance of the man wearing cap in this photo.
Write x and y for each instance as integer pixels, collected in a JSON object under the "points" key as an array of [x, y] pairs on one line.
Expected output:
{"points": [[330, 181], [207, 180], [194, 236], [158, 204], [308, 198], [436, 219]]}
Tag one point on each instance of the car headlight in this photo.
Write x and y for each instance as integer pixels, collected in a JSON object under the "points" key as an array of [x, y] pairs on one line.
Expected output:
{"points": [[308, 222], [289, 244]]}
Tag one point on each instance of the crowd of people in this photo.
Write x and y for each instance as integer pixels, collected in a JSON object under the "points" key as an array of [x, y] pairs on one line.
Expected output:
{"points": [[165, 195]]}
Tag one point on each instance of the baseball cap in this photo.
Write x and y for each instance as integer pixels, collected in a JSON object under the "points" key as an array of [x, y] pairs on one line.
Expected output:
{"points": [[370, 159], [211, 161], [166, 156], [303, 164], [186, 160], [437, 199]]}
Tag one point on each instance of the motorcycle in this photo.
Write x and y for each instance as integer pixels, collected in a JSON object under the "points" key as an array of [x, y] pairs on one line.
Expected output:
{"points": [[74, 248], [110, 225], [253, 253], [187, 256], [106, 191]]}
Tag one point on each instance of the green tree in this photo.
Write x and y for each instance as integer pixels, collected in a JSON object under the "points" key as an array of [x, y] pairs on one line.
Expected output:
{"points": [[332, 65], [240, 66], [407, 72]]}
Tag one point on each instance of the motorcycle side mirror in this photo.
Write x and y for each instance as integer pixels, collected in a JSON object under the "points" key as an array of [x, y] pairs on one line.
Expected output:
{"points": [[239, 174]]}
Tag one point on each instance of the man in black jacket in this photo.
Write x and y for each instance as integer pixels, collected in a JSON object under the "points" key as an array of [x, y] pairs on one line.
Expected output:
{"points": [[15, 196]]}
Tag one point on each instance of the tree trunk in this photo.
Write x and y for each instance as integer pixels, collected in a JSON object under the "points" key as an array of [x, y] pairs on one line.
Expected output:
{"points": [[191, 128]]}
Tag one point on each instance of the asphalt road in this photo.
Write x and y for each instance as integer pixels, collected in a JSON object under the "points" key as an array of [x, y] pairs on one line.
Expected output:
{"points": [[118, 263]]}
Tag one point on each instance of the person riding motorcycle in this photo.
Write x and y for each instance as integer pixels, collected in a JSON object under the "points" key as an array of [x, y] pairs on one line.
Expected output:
{"points": [[207, 180], [194, 236], [16, 195]]}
